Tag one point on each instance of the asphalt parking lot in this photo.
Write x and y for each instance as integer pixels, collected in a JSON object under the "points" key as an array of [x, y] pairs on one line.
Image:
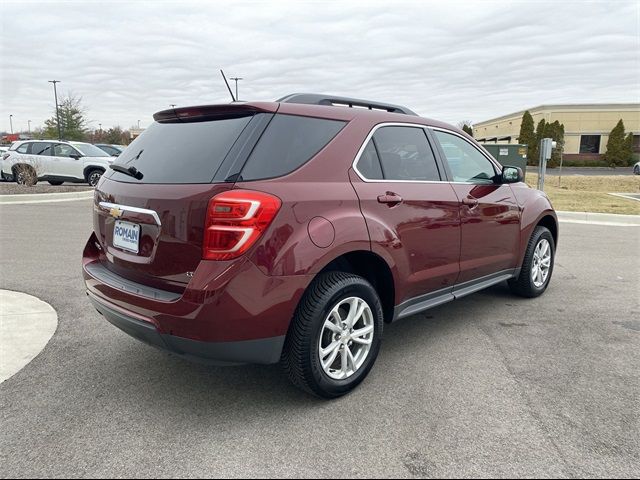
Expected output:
{"points": [[491, 385]]}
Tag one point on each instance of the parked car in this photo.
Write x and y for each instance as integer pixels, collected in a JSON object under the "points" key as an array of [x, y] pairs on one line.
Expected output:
{"points": [[293, 231], [54, 161], [113, 150], [636, 168]]}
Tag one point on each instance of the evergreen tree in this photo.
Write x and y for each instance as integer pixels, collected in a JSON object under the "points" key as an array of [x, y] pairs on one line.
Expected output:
{"points": [[73, 121], [467, 128], [533, 153], [527, 135], [555, 131], [619, 147]]}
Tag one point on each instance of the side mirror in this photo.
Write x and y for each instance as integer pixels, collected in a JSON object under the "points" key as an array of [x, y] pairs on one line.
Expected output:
{"points": [[511, 175], [76, 156]]}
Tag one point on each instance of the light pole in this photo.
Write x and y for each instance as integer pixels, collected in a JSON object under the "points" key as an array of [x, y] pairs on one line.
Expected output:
{"points": [[235, 79], [55, 94], [29, 124], [138, 124], [11, 123], [100, 125]]}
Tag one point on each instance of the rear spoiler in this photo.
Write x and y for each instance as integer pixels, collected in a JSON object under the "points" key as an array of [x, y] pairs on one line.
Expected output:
{"points": [[213, 112]]}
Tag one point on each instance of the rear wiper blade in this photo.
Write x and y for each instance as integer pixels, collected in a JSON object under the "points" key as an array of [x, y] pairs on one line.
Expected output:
{"points": [[131, 171]]}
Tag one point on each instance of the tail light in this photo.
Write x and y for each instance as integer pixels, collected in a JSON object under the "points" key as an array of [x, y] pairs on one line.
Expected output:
{"points": [[235, 221]]}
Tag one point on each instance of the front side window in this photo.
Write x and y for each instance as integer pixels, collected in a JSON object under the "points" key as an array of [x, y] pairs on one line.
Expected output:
{"points": [[62, 150], [41, 148], [405, 154], [466, 162], [590, 144], [23, 148]]}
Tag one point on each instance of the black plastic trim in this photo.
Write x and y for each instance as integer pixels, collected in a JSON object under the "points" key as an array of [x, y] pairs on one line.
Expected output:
{"points": [[102, 274], [433, 299], [265, 351]]}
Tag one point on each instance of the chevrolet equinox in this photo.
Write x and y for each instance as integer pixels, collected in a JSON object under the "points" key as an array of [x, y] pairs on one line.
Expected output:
{"points": [[292, 231]]}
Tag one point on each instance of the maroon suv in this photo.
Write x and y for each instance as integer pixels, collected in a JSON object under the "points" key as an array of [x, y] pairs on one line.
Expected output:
{"points": [[293, 231]]}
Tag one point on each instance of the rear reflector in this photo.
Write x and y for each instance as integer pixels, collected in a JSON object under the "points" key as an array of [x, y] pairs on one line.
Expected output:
{"points": [[235, 221]]}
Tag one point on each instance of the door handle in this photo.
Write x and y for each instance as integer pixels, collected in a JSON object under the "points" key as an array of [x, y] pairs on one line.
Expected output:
{"points": [[470, 202], [390, 199]]}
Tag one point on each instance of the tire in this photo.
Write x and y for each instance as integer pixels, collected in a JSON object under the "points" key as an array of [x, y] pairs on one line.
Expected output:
{"points": [[636, 170], [301, 355], [25, 175], [93, 176], [55, 183], [526, 285]]}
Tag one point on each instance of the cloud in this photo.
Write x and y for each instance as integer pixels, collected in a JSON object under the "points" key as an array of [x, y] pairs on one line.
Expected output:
{"points": [[446, 60]]}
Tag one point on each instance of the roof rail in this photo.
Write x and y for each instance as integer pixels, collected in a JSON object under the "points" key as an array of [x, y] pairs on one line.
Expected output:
{"points": [[331, 100]]}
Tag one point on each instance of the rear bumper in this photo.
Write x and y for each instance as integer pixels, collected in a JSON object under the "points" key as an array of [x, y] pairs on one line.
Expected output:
{"points": [[261, 351]]}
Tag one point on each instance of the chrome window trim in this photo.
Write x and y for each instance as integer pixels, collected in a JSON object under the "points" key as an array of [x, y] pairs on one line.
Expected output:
{"points": [[366, 142], [106, 206]]}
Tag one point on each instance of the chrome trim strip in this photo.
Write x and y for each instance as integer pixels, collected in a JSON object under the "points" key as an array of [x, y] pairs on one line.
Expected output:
{"points": [[125, 208]]}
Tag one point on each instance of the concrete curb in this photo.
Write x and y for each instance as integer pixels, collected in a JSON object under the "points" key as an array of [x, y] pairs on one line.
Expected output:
{"points": [[26, 326], [590, 218], [45, 197]]}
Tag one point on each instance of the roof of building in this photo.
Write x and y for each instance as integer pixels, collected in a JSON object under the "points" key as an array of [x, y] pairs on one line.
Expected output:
{"points": [[567, 106]]}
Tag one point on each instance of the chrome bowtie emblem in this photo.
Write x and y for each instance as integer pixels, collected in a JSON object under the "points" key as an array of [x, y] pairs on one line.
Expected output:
{"points": [[115, 212]]}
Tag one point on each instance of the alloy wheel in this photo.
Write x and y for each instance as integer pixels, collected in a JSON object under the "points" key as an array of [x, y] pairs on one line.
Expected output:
{"points": [[541, 264], [346, 338]]}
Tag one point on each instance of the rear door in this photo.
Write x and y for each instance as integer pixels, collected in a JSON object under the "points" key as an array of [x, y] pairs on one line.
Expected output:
{"points": [[151, 223], [411, 213], [489, 213], [40, 157]]}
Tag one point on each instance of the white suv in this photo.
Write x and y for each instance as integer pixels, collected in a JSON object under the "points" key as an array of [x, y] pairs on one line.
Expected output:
{"points": [[54, 161]]}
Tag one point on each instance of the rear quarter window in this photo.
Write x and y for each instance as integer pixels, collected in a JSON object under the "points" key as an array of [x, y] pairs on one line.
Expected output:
{"points": [[289, 142]]}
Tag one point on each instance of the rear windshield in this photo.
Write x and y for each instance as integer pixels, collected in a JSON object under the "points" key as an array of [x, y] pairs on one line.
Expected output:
{"points": [[180, 152], [288, 143]]}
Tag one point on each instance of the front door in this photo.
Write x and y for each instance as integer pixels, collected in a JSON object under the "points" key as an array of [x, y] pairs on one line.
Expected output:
{"points": [[65, 165], [412, 215], [489, 213]]}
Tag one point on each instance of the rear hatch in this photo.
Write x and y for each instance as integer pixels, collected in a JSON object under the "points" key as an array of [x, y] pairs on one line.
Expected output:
{"points": [[149, 213]]}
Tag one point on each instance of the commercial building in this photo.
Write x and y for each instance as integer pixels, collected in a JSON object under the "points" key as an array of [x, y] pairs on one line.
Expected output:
{"points": [[587, 126]]}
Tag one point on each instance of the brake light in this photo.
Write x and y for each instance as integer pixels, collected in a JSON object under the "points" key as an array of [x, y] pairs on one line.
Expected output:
{"points": [[235, 221]]}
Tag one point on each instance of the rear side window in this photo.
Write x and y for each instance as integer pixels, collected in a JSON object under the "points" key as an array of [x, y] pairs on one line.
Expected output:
{"points": [[288, 143], [180, 152], [41, 148], [369, 163], [405, 154]]}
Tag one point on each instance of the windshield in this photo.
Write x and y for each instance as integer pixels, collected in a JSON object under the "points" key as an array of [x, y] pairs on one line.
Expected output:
{"points": [[89, 150]]}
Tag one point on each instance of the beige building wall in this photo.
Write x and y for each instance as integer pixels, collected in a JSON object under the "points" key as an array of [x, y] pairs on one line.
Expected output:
{"points": [[578, 120]]}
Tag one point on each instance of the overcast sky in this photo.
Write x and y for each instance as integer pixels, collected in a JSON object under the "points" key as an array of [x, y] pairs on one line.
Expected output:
{"points": [[446, 60]]}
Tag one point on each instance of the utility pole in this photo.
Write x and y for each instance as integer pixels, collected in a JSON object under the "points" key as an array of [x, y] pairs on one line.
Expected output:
{"points": [[100, 125], [138, 124], [235, 79], [55, 94], [11, 123], [29, 123]]}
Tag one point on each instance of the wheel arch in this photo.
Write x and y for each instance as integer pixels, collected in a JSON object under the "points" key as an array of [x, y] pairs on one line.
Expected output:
{"points": [[90, 168], [374, 269]]}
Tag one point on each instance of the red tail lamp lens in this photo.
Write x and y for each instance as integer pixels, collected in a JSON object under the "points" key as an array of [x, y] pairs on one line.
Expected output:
{"points": [[235, 221]]}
